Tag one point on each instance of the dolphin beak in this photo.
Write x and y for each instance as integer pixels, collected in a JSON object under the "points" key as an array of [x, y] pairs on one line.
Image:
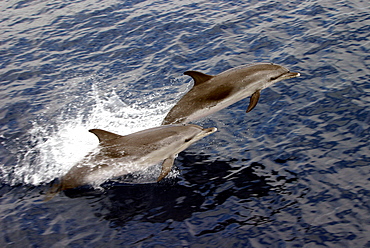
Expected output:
{"points": [[205, 132], [290, 75], [210, 130]]}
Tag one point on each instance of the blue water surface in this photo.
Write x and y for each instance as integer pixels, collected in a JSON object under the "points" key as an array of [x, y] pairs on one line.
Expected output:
{"points": [[294, 172]]}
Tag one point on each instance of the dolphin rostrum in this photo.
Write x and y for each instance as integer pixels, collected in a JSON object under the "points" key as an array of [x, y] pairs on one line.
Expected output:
{"points": [[213, 93], [119, 155]]}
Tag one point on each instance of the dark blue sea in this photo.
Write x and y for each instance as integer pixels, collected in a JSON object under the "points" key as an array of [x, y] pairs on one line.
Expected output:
{"points": [[294, 172]]}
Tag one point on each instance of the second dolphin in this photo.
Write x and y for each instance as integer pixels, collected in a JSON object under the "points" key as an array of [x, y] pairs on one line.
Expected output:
{"points": [[213, 93], [119, 155]]}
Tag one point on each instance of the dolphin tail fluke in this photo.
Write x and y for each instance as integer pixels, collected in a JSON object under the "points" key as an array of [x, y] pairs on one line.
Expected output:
{"points": [[166, 167], [254, 100], [53, 191]]}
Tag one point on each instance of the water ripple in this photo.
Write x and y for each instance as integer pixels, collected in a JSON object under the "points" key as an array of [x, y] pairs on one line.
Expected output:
{"points": [[293, 172]]}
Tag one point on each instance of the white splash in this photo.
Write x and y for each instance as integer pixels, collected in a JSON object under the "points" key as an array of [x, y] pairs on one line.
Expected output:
{"points": [[58, 147]]}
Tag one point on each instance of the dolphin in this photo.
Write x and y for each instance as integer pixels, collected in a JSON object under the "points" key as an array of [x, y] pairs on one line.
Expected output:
{"points": [[213, 93], [118, 155]]}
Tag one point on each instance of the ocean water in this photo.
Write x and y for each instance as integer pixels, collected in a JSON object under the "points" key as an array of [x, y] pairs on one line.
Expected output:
{"points": [[294, 172]]}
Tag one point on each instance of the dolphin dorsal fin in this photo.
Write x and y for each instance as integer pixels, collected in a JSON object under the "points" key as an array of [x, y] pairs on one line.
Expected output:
{"points": [[198, 77], [104, 135]]}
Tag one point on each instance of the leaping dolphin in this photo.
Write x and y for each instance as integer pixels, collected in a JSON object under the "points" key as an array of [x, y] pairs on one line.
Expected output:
{"points": [[213, 93], [119, 155]]}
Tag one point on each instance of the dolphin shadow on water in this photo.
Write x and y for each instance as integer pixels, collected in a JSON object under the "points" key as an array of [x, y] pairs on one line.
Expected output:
{"points": [[202, 187]]}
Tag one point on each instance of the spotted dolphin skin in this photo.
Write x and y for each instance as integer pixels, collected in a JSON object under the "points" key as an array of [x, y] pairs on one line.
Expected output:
{"points": [[119, 155], [213, 93]]}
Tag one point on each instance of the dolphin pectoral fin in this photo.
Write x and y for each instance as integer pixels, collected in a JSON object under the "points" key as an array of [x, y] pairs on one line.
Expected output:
{"points": [[166, 167], [198, 77], [254, 100], [104, 135]]}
